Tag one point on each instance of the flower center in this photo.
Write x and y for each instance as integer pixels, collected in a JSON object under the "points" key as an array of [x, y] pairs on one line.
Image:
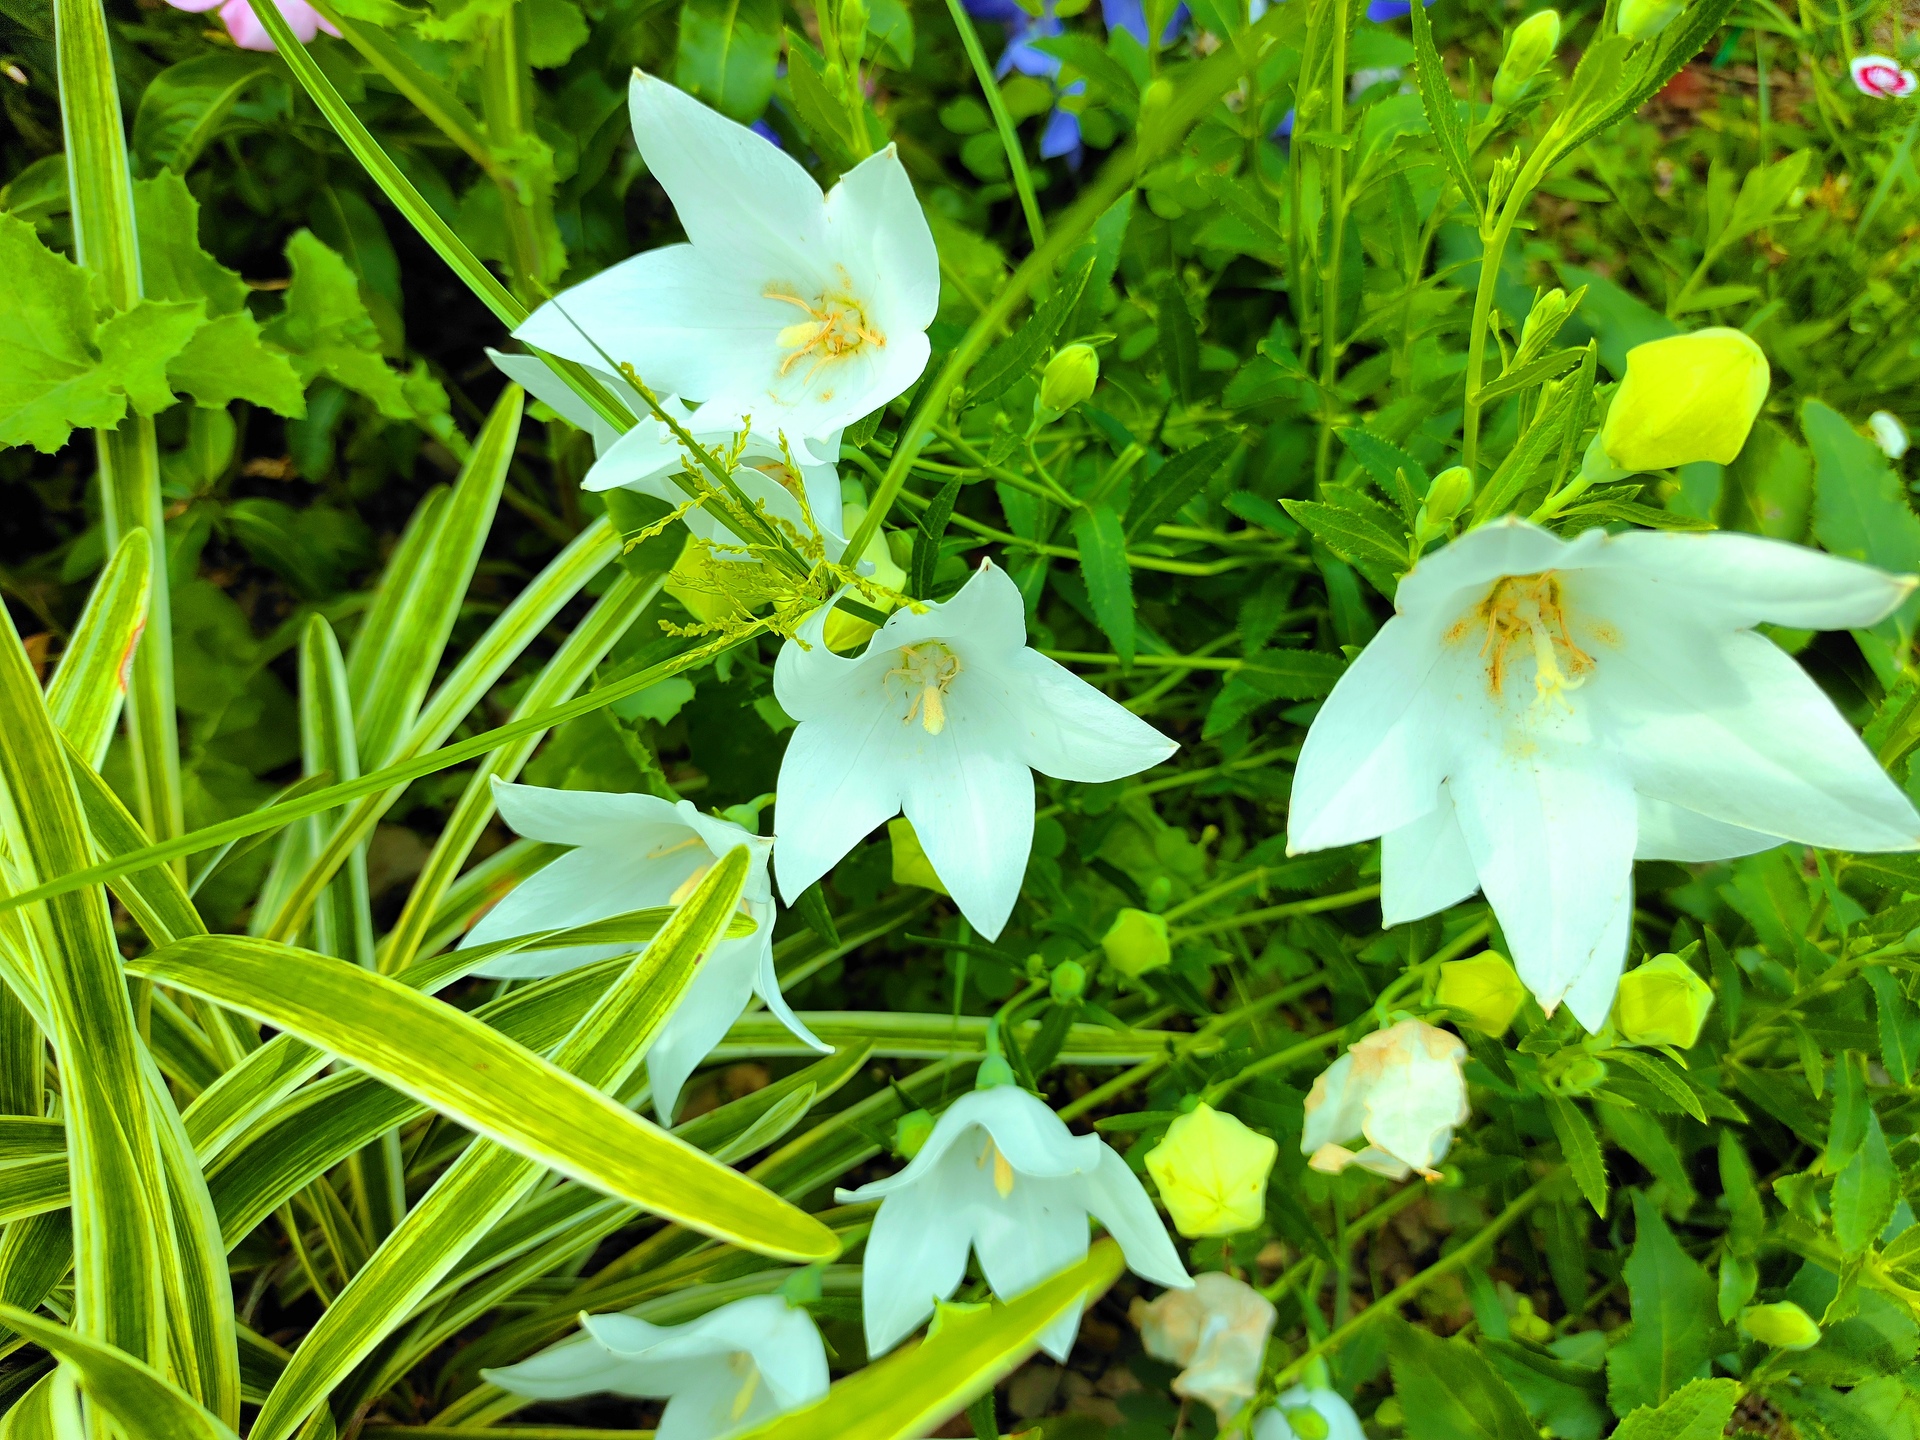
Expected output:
{"points": [[836, 327], [1529, 611], [1002, 1170], [928, 671]]}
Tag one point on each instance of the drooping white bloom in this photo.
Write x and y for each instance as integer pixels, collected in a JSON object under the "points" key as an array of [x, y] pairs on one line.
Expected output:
{"points": [[1882, 77], [1889, 433], [733, 1367], [1538, 713], [802, 310], [1336, 1415], [1002, 1174], [1399, 1088], [945, 715], [635, 852], [1217, 1332]]}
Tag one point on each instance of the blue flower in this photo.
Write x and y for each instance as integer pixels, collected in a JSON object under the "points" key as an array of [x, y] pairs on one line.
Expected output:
{"points": [[1383, 10], [1131, 16]]}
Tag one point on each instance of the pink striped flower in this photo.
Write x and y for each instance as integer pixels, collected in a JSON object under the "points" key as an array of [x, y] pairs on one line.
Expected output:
{"points": [[1882, 77], [245, 27]]}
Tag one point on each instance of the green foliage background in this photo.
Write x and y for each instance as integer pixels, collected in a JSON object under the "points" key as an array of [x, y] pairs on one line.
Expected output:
{"points": [[350, 551]]}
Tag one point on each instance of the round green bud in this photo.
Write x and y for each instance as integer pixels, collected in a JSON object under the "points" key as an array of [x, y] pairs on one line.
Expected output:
{"points": [[1069, 982], [910, 1132], [1450, 492], [1663, 1003], [1532, 44], [1485, 991], [1307, 1423], [1137, 942], [1783, 1325], [1644, 19], [1069, 378], [853, 28]]}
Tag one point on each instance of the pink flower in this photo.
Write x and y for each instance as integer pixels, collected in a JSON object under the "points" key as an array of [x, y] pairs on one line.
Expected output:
{"points": [[247, 31], [1882, 77]]}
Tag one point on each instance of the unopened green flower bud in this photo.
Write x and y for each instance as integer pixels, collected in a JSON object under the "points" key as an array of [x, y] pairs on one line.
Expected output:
{"points": [[853, 28], [1582, 1073], [1307, 1423], [1533, 42], [1069, 378], [910, 1132], [1068, 983], [1137, 942], [1447, 496], [1663, 1003], [1212, 1171], [1485, 991], [1154, 100], [1644, 19], [1783, 1325]]}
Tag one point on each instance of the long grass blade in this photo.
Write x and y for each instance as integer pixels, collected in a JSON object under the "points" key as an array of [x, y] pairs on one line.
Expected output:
{"points": [[87, 690]]}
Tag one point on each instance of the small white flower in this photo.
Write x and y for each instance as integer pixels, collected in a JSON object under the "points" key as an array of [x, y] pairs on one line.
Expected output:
{"points": [[1538, 713], [1337, 1420], [1882, 77], [1400, 1088], [1217, 1332], [733, 1367], [945, 715], [1002, 1174], [649, 455], [536, 377], [635, 852], [802, 310], [1889, 433]]}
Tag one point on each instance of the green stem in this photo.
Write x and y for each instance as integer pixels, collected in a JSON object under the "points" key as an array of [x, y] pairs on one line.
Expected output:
{"points": [[506, 82], [1493, 252], [1002, 121], [1336, 236]]}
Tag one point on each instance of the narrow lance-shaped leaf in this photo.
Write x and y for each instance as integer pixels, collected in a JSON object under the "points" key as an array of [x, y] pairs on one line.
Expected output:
{"points": [[86, 692]]}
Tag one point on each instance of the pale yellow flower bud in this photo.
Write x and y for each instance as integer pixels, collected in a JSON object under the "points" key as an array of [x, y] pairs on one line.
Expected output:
{"points": [[1212, 1173], [1686, 398], [1069, 378], [1532, 44], [1402, 1090], [1663, 1003], [910, 863], [1137, 942], [1644, 19], [1783, 1325], [1485, 990]]}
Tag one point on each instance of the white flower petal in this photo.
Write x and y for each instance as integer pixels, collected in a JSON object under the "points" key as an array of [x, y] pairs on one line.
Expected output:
{"points": [[1481, 556], [1425, 866], [916, 1255], [1672, 832], [576, 889], [1732, 728], [714, 998], [791, 1356], [1741, 580], [839, 779], [1553, 840], [1376, 753], [702, 1406], [766, 985], [1037, 1229], [733, 191], [642, 458], [580, 817], [1114, 1196], [536, 377], [576, 1366], [1416, 1093], [1062, 726], [972, 808], [1335, 1108], [1026, 1130], [874, 213]]}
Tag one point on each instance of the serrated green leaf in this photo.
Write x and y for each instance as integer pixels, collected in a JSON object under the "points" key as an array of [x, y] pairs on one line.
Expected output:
{"points": [[326, 329], [1865, 1192], [1449, 1391], [1178, 480], [1443, 110], [1699, 1410], [1860, 509], [1014, 357], [1102, 544], [1675, 1308], [1357, 537], [1582, 1150]]}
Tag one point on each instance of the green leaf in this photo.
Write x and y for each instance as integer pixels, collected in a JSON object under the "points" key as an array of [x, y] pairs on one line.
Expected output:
{"points": [[556, 28], [1676, 1326], [965, 1354], [326, 328], [445, 1059], [1865, 1192], [1103, 563], [1449, 1391], [1013, 359], [1391, 467], [88, 688], [926, 540], [1361, 534], [1860, 507], [144, 1404], [1699, 1410], [1108, 81], [226, 360], [727, 54], [1179, 340], [184, 106], [1271, 675], [1177, 481], [1443, 110], [818, 109], [1582, 1149], [137, 346]]}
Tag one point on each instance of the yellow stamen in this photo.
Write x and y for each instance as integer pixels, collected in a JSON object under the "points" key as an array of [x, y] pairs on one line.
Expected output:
{"points": [[836, 327], [929, 670], [741, 1360], [1529, 610], [678, 845], [1002, 1174]]}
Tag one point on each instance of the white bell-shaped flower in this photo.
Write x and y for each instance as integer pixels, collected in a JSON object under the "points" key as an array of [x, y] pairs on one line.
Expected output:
{"points": [[1308, 1413], [1217, 1332], [1003, 1175], [1402, 1090], [635, 852], [1539, 712], [802, 310], [945, 715], [733, 1367]]}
